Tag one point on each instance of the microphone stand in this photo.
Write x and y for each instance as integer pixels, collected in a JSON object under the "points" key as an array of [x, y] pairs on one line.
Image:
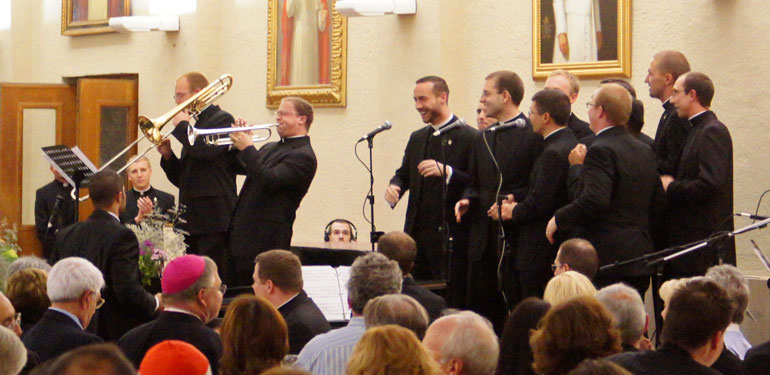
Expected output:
{"points": [[374, 235]]}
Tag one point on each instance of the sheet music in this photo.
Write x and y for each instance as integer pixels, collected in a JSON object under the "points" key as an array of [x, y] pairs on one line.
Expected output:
{"points": [[322, 284], [68, 161], [343, 274]]}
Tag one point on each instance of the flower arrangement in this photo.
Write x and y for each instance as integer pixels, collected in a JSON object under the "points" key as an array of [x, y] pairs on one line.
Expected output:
{"points": [[159, 242], [9, 241]]}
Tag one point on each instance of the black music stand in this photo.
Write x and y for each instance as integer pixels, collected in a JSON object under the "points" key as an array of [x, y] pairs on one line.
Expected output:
{"points": [[71, 164]]}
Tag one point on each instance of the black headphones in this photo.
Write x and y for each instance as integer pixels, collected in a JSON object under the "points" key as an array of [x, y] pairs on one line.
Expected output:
{"points": [[328, 230]]}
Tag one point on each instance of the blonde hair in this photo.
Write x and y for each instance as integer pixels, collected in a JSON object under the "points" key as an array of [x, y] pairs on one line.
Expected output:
{"points": [[670, 287], [390, 350], [566, 286]]}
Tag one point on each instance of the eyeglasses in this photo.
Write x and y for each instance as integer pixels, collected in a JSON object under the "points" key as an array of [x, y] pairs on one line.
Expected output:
{"points": [[180, 96], [556, 266], [223, 288], [15, 322], [99, 301], [283, 114], [590, 104], [531, 112]]}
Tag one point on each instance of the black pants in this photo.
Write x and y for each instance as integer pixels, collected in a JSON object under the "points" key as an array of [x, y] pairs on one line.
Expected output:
{"points": [[212, 245]]}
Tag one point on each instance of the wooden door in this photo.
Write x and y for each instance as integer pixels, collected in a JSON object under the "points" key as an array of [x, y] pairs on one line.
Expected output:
{"points": [[107, 123], [50, 113]]}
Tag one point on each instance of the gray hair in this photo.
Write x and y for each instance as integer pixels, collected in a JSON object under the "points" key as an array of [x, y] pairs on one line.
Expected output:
{"points": [[28, 261], [12, 352], [372, 275], [398, 309], [627, 308], [730, 278], [70, 277], [206, 280], [473, 341]]}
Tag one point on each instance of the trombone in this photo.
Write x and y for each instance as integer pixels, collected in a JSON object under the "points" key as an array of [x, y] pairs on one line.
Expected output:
{"points": [[221, 136]]}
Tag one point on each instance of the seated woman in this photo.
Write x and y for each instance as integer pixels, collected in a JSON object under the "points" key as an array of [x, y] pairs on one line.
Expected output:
{"points": [[566, 286], [27, 292], [570, 332], [515, 352], [254, 337], [390, 350]]}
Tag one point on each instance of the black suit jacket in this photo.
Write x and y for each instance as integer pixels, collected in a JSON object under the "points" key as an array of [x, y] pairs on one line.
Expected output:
{"points": [[45, 200], [701, 196], [304, 320], [669, 139], [433, 303], [114, 250], [668, 360], [278, 177], [757, 360], [172, 326], [161, 199], [547, 192], [728, 363], [56, 334], [516, 150], [204, 175], [423, 212], [621, 193], [579, 128]]}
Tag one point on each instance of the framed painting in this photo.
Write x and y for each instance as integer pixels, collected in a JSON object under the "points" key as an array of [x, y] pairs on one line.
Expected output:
{"points": [[81, 17], [589, 38], [306, 56]]}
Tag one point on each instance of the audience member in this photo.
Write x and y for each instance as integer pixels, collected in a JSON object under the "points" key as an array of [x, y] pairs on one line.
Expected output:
{"points": [[192, 294], [11, 320], [400, 247], [570, 332], [463, 344], [515, 352], [27, 291], [626, 307], [173, 357], [286, 370], [278, 279], [730, 278], [757, 359], [74, 286], [390, 350], [143, 198], [371, 275], [577, 255], [398, 309], [598, 367], [693, 336], [566, 286], [667, 290], [254, 336], [28, 261], [13, 355], [97, 359]]}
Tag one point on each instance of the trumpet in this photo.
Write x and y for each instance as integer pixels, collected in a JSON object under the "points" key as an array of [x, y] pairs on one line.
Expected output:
{"points": [[221, 136]]}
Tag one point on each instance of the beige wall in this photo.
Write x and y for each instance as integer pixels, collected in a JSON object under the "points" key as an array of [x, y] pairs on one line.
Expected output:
{"points": [[726, 39]]}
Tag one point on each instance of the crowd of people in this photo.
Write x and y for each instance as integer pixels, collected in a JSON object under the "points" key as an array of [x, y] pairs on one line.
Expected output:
{"points": [[519, 219]]}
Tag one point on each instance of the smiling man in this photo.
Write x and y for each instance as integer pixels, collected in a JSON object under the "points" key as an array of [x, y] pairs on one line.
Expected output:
{"points": [[142, 198], [278, 176]]}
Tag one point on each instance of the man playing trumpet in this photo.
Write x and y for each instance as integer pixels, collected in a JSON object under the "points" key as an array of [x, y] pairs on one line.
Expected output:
{"points": [[278, 176]]}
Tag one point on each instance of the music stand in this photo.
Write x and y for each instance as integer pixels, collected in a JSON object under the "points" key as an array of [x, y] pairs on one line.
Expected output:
{"points": [[71, 164]]}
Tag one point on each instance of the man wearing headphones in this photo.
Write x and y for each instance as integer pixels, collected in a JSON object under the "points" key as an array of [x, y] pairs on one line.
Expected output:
{"points": [[340, 230]]}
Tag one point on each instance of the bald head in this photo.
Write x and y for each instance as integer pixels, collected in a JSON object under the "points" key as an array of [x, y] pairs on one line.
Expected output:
{"points": [[463, 344]]}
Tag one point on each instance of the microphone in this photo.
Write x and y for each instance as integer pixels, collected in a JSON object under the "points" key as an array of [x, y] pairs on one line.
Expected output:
{"points": [[55, 211], [519, 123], [457, 124], [387, 125], [750, 216]]}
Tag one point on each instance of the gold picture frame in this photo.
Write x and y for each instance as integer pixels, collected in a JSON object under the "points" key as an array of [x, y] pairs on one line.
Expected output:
{"points": [[323, 81], [83, 17], [600, 56]]}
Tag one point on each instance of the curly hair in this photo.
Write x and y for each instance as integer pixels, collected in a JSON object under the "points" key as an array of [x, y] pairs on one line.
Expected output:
{"points": [[254, 337], [390, 350], [27, 292], [571, 332]]}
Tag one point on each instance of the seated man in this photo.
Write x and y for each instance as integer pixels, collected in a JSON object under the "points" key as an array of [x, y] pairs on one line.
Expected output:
{"points": [[12, 352], [192, 294], [74, 288], [340, 230], [627, 309], [398, 309], [371, 275], [400, 247], [693, 336], [463, 344], [736, 345], [578, 255], [278, 279], [142, 198], [102, 359]]}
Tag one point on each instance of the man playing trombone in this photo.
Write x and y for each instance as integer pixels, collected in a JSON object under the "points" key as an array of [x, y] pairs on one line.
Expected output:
{"points": [[278, 176], [203, 173]]}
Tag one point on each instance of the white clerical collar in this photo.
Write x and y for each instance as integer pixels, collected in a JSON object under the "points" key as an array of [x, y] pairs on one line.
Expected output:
{"points": [[143, 191], [510, 119], [287, 301], [441, 125], [605, 129], [696, 115], [553, 132], [182, 311], [667, 101]]}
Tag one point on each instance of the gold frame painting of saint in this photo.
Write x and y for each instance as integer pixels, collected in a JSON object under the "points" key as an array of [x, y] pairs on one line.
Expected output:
{"points": [[589, 38], [81, 17], [306, 57]]}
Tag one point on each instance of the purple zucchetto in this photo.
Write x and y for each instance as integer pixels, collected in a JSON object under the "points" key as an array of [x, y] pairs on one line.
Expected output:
{"points": [[181, 273]]}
